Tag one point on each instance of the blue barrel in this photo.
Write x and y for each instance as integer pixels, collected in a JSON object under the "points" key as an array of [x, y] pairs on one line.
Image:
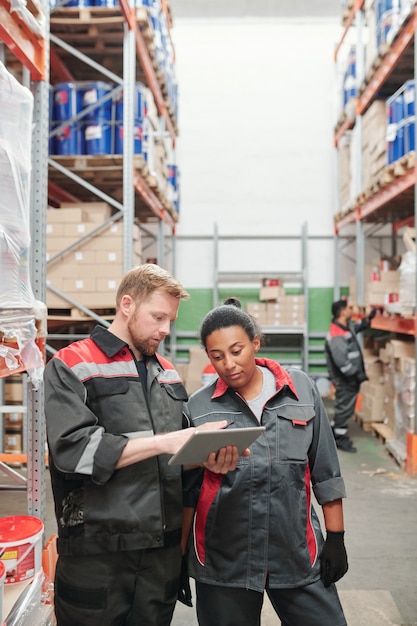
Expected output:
{"points": [[70, 140], [399, 121], [92, 94], [177, 191], [409, 116], [68, 101], [139, 104], [137, 138], [98, 138], [396, 126], [106, 3], [76, 3], [173, 181], [52, 124]]}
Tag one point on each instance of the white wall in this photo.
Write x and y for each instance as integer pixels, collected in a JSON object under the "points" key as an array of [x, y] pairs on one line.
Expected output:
{"points": [[257, 111]]}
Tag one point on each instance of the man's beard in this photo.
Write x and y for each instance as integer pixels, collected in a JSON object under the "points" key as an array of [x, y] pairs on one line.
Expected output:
{"points": [[144, 346]]}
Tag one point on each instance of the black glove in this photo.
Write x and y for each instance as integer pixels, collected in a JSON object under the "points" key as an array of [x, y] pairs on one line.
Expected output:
{"points": [[184, 589], [333, 557], [372, 314]]}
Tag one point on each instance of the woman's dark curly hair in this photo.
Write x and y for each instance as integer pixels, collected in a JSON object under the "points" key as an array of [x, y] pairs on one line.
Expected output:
{"points": [[225, 315]]}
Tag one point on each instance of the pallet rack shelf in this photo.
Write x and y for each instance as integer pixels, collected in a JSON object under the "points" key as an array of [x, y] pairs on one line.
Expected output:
{"points": [[392, 200], [29, 51], [115, 44]]}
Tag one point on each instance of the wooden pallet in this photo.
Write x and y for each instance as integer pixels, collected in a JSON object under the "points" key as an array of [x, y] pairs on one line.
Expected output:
{"points": [[388, 175], [360, 419], [145, 25], [398, 452], [382, 432], [85, 14], [99, 162]]}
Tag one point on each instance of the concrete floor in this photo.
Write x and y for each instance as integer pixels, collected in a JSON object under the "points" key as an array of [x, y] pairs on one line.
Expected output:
{"points": [[381, 520]]}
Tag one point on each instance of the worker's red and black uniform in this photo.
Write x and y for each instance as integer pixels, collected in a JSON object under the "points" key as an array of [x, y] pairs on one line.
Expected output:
{"points": [[346, 371], [255, 529], [119, 530]]}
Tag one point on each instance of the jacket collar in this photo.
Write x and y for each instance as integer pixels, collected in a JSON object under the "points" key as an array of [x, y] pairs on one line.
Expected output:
{"points": [[282, 378], [111, 344]]}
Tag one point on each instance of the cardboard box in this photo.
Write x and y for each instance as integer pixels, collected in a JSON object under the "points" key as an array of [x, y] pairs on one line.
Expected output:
{"points": [[271, 293], [13, 443], [198, 361], [373, 399], [97, 212], [398, 349], [13, 389], [13, 421], [374, 369]]}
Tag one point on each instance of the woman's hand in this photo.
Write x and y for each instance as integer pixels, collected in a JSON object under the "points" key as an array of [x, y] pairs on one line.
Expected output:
{"points": [[223, 461]]}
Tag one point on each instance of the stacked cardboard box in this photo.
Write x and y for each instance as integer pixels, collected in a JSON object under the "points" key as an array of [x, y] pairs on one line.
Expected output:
{"points": [[257, 310], [400, 382], [388, 396], [13, 419], [371, 50], [90, 272], [285, 310], [193, 372], [374, 145], [372, 391], [344, 171], [384, 288]]}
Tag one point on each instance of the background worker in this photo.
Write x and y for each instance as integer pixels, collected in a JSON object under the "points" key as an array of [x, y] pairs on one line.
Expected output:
{"points": [[255, 529], [345, 367], [114, 415]]}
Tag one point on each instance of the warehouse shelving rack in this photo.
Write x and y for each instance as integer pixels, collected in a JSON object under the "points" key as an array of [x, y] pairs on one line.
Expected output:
{"points": [[395, 203], [32, 53], [92, 42], [297, 337], [137, 201]]}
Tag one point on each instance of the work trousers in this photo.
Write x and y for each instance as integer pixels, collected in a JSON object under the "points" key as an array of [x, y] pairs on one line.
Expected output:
{"points": [[312, 605], [118, 589], [346, 392]]}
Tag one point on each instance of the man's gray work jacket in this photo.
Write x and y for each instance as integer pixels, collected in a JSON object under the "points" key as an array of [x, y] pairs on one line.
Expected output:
{"points": [[95, 402], [343, 353], [258, 521]]}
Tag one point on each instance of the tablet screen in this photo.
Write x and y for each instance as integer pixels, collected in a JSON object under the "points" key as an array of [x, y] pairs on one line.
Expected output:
{"points": [[203, 442]]}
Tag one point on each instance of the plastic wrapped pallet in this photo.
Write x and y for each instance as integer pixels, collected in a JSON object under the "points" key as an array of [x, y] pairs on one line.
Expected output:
{"points": [[408, 279], [17, 303]]}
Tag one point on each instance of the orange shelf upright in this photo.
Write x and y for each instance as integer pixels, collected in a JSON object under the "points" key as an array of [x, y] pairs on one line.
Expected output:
{"points": [[22, 42]]}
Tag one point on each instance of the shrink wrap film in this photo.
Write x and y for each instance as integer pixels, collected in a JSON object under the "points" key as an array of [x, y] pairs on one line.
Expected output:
{"points": [[19, 311]]}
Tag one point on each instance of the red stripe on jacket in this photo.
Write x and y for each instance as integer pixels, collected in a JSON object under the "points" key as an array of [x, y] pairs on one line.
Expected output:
{"points": [[209, 490], [310, 535]]}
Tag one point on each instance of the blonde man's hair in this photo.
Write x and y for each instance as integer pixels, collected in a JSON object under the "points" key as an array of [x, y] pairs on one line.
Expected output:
{"points": [[141, 281]]}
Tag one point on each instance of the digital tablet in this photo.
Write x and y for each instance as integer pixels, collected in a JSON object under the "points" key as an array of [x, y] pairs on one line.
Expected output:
{"points": [[203, 442]]}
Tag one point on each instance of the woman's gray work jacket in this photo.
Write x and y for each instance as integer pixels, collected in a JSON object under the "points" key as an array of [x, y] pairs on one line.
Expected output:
{"points": [[95, 402], [258, 522]]}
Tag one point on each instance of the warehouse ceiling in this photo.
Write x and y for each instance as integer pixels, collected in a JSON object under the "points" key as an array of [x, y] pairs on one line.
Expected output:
{"points": [[255, 8]]}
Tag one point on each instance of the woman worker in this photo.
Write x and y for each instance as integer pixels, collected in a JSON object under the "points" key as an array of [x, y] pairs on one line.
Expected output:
{"points": [[255, 530]]}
